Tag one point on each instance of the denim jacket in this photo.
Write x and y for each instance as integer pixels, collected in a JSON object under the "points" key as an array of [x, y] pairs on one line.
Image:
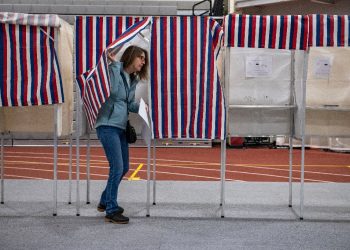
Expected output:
{"points": [[114, 111]]}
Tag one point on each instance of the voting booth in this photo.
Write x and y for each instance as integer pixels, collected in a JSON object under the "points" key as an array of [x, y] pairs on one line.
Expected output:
{"points": [[36, 94], [186, 96], [265, 76], [94, 35], [26, 110], [328, 78]]}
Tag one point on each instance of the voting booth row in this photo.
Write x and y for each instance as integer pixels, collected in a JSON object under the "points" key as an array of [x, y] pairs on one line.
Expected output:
{"points": [[265, 68], [279, 75], [185, 96]]}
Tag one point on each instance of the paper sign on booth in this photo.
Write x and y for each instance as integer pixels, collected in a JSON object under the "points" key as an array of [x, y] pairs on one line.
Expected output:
{"points": [[143, 112], [146, 130], [322, 67], [258, 66]]}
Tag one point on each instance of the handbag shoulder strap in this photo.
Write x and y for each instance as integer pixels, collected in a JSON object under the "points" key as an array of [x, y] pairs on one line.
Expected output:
{"points": [[126, 89]]}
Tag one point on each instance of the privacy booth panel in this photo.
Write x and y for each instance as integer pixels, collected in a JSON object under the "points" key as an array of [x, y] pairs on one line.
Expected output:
{"points": [[327, 123], [328, 79], [260, 71], [259, 122], [33, 76], [260, 76]]}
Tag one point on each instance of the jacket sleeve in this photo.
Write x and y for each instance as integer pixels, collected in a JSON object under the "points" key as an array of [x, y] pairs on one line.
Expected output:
{"points": [[114, 71]]}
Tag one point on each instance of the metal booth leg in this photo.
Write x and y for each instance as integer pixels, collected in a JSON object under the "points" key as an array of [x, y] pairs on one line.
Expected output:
{"points": [[70, 170], [2, 169], [303, 121], [154, 172], [78, 176], [302, 178], [290, 171], [78, 111], [223, 177], [148, 180], [55, 161], [88, 170]]}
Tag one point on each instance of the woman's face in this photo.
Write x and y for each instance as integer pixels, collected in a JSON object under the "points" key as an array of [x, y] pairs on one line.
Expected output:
{"points": [[138, 62]]}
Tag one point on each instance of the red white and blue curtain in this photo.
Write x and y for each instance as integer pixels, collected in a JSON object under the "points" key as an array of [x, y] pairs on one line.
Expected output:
{"points": [[29, 69], [94, 84], [29, 19], [93, 34], [274, 32], [187, 100], [329, 30]]}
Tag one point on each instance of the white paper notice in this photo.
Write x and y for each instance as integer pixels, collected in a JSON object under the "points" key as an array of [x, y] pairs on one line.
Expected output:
{"points": [[258, 66], [322, 67], [146, 133], [143, 111]]}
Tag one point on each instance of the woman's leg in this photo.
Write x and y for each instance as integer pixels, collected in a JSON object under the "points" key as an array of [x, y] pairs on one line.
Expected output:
{"points": [[110, 140], [125, 153]]}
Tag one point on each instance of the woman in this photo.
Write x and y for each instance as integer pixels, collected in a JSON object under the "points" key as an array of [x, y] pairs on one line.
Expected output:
{"points": [[111, 124]]}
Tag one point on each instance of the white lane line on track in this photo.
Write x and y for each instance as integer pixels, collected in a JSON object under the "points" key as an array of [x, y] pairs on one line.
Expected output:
{"points": [[181, 167], [106, 175], [51, 171], [266, 168], [158, 159], [252, 173], [172, 160], [172, 173], [200, 163], [193, 162], [26, 177], [191, 175]]}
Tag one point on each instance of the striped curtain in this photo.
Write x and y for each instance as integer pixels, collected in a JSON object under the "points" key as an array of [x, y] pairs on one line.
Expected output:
{"points": [[329, 31], [186, 96], [29, 70], [274, 32], [93, 34], [30, 19], [94, 84]]}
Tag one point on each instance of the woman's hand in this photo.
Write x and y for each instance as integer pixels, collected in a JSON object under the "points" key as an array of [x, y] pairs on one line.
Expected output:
{"points": [[112, 53], [111, 57]]}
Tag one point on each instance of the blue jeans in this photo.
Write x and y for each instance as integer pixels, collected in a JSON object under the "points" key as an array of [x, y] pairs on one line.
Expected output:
{"points": [[116, 149]]}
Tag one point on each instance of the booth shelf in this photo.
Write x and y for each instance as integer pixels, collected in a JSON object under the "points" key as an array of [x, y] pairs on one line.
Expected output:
{"points": [[262, 106], [329, 108]]}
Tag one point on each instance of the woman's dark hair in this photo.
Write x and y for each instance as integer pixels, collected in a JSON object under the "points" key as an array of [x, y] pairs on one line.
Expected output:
{"points": [[128, 57]]}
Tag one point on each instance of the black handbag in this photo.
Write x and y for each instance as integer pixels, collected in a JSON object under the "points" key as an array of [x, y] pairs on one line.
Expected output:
{"points": [[131, 136]]}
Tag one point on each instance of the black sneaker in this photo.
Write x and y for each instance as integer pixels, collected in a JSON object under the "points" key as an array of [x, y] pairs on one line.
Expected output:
{"points": [[102, 208], [117, 218]]}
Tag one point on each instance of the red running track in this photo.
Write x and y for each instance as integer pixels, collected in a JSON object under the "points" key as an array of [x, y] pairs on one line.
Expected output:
{"points": [[190, 164]]}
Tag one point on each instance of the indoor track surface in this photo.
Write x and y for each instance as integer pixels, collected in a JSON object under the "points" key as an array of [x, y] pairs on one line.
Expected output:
{"points": [[190, 164]]}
